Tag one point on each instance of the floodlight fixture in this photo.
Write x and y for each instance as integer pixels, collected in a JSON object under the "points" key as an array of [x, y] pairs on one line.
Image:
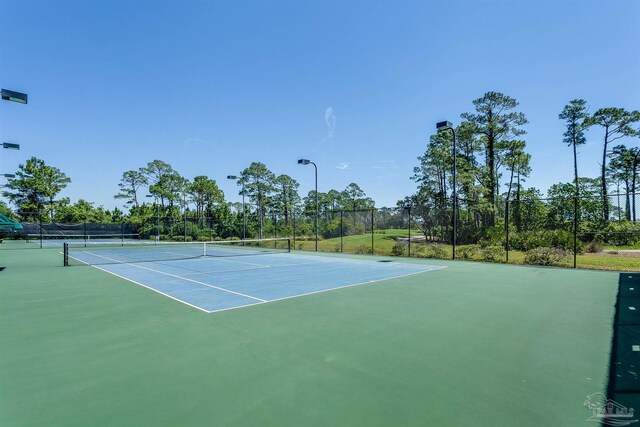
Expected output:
{"points": [[444, 125], [10, 95], [304, 162], [232, 177], [8, 175], [10, 146]]}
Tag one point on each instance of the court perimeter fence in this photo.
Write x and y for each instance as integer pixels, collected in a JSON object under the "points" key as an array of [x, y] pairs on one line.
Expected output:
{"points": [[559, 231]]}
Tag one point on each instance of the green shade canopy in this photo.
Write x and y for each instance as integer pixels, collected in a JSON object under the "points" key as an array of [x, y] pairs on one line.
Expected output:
{"points": [[9, 224]]}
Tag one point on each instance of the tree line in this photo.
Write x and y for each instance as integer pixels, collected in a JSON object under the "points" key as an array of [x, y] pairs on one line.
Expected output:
{"points": [[493, 166], [158, 189]]}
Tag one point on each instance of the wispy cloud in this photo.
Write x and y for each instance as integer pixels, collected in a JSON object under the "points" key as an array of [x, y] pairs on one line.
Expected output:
{"points": [[342, 166], [330, 121]]}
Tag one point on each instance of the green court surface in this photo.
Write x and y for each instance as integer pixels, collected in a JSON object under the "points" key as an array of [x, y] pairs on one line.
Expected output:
{"points": [[471, 344]]}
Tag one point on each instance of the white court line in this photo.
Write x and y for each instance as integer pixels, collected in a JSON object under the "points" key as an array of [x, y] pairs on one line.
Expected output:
{"points": [[327, 290], [142, 284], [180, 277]]}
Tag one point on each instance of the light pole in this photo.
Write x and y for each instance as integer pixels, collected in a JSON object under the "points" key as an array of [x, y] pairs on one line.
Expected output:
{"points": [[158, 218], [244, 213], [9, 146], [306, 162], [449, 126]]}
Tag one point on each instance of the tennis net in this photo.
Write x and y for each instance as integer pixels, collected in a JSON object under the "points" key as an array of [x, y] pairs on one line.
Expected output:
{"points": [[38, 238], [102, 253]]}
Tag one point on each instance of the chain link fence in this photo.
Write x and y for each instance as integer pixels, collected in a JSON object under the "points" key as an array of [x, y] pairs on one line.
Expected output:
{"points": [[557, 231]]}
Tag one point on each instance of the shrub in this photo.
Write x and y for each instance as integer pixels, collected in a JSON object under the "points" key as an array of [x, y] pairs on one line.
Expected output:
{"points": [[493, 254], [624, 233], [419, 251], [493, 236], [437, 251], [526, 240], [399, 249], [595, 246], [467, 252], [546, 256], [362, 250], [562, 239]]}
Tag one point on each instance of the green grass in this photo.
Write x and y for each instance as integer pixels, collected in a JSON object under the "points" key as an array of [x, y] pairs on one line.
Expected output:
{"points": [[384, 242], [472, 344], [623, 247]]}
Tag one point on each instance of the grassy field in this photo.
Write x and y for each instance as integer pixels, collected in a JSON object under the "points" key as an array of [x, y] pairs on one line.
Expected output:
{"points": [[384, 240]]}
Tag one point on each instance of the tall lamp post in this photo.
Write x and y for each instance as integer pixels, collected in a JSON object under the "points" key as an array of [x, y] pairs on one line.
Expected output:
{"points": [[9, 146], [158, 217], [244, 212], [449, 126], [306, 162]]}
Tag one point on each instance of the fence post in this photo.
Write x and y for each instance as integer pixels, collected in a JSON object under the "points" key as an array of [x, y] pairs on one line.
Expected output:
{"points": [[341, 230], [575, 231], [40, 219], [293, 216], [409, 230], [506, 226], [372, 251]]}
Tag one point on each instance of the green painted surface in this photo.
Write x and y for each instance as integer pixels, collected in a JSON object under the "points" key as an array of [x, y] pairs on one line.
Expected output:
{"points": [[472, 344]]}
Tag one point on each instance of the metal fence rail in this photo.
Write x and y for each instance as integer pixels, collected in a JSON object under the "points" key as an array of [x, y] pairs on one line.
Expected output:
{"points": [[561, 231]]}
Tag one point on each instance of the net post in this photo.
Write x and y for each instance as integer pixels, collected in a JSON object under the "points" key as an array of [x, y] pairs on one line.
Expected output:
{"points": [[65, 254], [288, 245]]}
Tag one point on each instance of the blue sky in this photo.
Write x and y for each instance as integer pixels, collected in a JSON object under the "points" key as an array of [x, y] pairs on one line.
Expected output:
{"points": [[357, 86]]}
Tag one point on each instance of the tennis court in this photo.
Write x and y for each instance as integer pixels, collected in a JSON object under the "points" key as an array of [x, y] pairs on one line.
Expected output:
{"points": [[416, 344], [215, 276]]}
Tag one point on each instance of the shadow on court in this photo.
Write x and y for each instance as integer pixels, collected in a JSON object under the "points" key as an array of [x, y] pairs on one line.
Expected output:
{"points": [[624, 383]]}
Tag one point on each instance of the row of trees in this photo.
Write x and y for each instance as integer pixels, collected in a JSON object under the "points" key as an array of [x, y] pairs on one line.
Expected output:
{"points": [[493, 163], [267, 193], [35, 189]]}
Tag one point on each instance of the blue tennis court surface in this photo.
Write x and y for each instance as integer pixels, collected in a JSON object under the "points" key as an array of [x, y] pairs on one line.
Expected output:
{"points": [[214, 284]]}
